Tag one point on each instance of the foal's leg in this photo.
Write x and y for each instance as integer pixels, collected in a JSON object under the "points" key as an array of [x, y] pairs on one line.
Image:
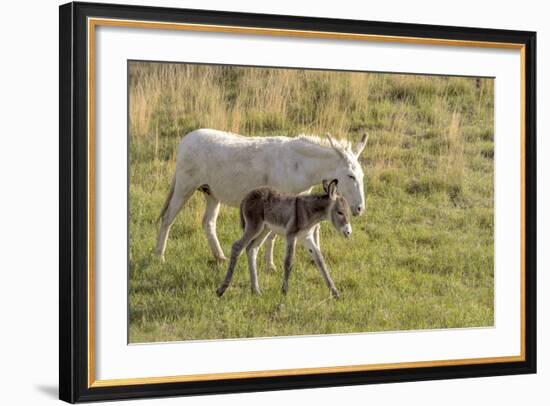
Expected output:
{"points": [[252, 252], [289, 257], [268, 255], [251, 231], [209, 225], [309, 243], [179, 196]]}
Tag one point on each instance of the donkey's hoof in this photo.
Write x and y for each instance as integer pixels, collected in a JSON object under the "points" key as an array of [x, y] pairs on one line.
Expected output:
{"points": [[221, 259], [256, 292], [271, 268], [335, 294], [220, 291]]}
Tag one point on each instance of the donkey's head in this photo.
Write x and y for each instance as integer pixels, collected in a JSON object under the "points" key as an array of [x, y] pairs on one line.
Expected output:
{"points": [[339, 212], [350, 174]]}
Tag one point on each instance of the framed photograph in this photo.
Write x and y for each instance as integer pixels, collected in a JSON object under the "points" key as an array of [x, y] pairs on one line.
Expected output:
{"points": [[258, 202]]}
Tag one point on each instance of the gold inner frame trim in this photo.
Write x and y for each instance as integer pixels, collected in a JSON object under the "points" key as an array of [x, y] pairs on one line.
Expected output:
{"points": [[93, 22]]}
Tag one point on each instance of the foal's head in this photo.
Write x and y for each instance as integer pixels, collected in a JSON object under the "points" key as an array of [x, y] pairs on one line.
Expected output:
{"points": [[339, 211]]}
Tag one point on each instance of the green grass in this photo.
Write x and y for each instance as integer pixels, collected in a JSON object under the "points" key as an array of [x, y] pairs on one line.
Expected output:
{"points": [[421, 257]]}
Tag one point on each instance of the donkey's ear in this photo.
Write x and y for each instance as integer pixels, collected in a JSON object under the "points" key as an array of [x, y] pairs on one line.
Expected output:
{"points": [[325, 185], [332, 189], [334, 146], [361, 145]]}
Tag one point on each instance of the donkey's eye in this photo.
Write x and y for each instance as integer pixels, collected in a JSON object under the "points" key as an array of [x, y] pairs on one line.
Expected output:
{"points": [[340, 213], [351, 177]]}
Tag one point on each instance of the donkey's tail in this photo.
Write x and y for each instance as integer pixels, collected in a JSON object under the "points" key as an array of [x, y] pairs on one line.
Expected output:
{"points": [[168, 198]]}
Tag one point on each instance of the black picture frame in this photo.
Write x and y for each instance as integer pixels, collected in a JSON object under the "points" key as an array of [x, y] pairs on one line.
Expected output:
{"points": [[73, 255]]}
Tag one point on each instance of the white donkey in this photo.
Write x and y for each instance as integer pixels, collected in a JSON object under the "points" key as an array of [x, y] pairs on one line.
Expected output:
{"points": [[226, 166]]}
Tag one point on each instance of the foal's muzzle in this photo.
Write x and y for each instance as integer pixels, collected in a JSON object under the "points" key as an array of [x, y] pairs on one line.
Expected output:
{"points": [[346, 230]]}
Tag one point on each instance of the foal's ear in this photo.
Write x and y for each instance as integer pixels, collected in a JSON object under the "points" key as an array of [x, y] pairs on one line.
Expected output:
{"points": [[325, 185], [361, 145], [332, 189]]}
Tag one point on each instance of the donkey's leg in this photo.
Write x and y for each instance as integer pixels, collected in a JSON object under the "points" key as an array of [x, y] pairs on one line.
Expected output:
{"points": [[252, 253], [209, 225], [289, 257], [309, 243], [251, 231], [179, 196], [268, 255], [318, 236]]}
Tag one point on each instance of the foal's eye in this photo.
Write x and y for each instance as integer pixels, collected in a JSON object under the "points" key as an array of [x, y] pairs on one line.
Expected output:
{"points": [[340, 213], [351, 177]]}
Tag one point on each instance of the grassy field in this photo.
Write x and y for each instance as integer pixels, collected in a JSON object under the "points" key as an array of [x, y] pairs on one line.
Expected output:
{"points": [[421, 257]]}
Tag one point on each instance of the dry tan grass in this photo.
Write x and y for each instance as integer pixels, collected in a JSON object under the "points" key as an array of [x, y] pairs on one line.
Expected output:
{"points": [[451, 161]]}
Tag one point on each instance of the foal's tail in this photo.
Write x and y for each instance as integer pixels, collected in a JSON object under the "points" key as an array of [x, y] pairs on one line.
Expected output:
{"points": [[241, 215], [168, 198]]}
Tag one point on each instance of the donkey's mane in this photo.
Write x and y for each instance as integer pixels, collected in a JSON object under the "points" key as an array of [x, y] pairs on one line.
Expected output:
{"points": [[343, 145]]}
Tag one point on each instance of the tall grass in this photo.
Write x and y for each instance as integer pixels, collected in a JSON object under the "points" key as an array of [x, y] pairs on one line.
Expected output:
{"points": [[422, 257]]}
